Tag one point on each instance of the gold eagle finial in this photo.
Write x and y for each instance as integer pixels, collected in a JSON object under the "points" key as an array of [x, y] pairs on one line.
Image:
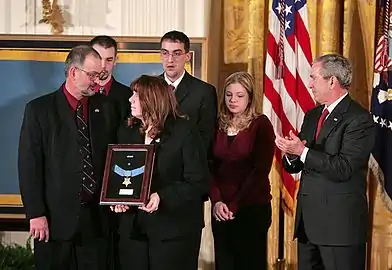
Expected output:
{"points": [[52, 14]]}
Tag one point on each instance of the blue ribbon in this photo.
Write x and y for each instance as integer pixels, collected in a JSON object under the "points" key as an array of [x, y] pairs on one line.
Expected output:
{"points": [[128, 173]]}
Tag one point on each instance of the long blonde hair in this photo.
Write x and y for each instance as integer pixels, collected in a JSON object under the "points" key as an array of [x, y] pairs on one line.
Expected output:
{"points": [[250, 113]]}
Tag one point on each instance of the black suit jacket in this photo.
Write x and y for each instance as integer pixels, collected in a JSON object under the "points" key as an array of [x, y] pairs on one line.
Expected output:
{"points": [[49, 162], [180, 179], [332, 195], [119, 94], [197, 99]]}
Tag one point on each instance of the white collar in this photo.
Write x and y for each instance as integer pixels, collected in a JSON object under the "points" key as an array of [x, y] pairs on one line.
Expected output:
{"points": [[332, 106], [176, 82]]}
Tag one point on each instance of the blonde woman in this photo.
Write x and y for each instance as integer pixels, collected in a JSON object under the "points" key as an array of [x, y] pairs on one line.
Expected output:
{"points": [[240, 190]]}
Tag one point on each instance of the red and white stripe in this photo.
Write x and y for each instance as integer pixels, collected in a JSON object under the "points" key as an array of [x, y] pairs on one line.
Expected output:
{"points": [[288, 98], [382, 60]]}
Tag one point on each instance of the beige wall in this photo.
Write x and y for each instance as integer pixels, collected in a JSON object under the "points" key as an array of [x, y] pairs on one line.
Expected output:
{"points": [[110, 17]]}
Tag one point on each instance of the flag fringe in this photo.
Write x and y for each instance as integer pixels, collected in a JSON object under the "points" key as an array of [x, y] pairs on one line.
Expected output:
{"points": [[377, 172], [288, 203]]}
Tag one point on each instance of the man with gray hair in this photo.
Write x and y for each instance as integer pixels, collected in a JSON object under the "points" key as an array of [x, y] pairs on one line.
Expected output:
{"points": [[332, 152], [62, 148]]}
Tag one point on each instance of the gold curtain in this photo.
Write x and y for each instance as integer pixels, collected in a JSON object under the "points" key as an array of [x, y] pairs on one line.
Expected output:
{"points": [[237, 41]]}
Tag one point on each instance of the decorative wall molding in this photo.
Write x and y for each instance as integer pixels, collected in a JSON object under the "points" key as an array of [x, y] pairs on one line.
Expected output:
{"points": [[110, 17]]}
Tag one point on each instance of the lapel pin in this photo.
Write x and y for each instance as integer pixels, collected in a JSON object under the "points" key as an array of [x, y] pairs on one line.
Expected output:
{"points": [[96, 110], [335, 119]]}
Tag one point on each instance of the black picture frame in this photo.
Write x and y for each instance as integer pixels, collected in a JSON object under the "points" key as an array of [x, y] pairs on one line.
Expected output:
{"points": [[128, 173]]}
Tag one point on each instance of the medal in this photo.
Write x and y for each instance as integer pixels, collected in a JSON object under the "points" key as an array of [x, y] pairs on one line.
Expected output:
{"points": [[127, 174], [127, 181]]}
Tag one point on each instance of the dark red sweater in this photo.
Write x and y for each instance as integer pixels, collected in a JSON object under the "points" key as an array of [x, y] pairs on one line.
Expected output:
{"points": [[240, 169]]}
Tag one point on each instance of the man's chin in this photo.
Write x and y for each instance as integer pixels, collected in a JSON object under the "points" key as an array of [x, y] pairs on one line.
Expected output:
{"points": [[103, 78], [171, 73], [104, 75], [88, 93]]}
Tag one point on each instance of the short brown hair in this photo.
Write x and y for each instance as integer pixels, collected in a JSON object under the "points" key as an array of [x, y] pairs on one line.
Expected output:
{"points": [[177, 36], [104, 41], [77, 56], [157, 102]]}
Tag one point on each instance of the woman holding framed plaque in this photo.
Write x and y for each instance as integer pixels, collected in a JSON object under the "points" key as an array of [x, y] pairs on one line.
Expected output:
{"points": [[165, 231], [243, 150]]}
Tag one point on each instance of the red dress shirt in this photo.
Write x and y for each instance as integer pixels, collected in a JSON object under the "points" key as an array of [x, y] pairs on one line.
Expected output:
{"points": [[106, 87], [73, 103]]}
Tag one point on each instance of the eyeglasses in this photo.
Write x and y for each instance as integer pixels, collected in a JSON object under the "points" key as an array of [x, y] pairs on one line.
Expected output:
{"points": [[93, 74], [175, 55]]}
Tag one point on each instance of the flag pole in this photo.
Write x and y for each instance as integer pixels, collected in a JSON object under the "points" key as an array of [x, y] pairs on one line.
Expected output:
{"points": [[280, 261]]}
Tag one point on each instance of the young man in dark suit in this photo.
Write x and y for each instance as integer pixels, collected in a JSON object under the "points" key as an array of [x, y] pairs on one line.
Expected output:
{"points": [[332, 151], [117, 92], [196, 98], [62, 149]]}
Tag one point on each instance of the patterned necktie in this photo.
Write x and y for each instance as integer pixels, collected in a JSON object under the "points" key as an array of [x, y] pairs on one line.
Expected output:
{"points": [[321, 122], [88, 182]]}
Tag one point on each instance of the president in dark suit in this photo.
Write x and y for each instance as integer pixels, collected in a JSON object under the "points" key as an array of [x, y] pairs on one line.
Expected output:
{"points": [[196, 99], [107, 85], [165, 233], [332, 151], [62, 150]]}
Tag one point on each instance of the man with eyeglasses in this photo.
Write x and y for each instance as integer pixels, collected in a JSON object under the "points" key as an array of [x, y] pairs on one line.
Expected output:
{"points": [[196, 98], [107, 85], [62, 148]]}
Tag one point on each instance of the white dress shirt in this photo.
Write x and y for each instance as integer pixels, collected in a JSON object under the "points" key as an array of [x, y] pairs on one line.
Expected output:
{"points": [[176, 82], [330, 108]]}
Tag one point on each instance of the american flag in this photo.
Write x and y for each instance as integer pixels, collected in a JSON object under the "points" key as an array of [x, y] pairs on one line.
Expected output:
{"points": [[381, 103], [288, 61]]}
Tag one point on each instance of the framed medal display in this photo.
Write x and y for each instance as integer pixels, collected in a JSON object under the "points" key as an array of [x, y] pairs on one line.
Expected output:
{"points": [[128, 173]]}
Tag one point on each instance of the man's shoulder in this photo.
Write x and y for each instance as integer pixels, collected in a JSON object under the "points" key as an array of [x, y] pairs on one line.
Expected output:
{"points": [[43, 101], [357, 108], [117, 86], [196, 82], [356, 114], [119, 91]]}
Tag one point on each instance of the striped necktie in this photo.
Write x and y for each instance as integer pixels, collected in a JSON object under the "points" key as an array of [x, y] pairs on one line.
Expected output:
{"points": [[88, 182]]}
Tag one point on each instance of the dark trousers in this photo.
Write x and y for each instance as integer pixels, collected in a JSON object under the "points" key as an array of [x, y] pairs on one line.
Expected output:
{"points": [[241, 243], [87, 250], [154, 254], [68, 255], [321, 257]]}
